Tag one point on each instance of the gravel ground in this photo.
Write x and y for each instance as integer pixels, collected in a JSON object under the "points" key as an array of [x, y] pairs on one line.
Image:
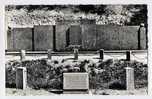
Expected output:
{"points": [[27, 92], [32, 92], [141, 91]]}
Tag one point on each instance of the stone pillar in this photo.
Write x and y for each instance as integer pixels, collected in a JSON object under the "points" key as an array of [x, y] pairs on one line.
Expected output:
{"points": [[22, 55], [101, 53], [142, 39], [76, 54], [21, 78], [130, 78], [49, 53], [128, 54]]}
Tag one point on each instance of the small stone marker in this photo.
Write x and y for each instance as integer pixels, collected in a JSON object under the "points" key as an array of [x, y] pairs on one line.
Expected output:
{"points": [[128, 54], [101, 53], [49, 53], [21, 78], [130, 78], [76, 53], [22, 55], [75, 83]]}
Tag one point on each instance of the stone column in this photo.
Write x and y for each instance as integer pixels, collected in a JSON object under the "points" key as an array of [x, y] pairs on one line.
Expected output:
{"points": [[21, 78], [130, 78], [76, 54], [142, 39], [128, 54], [101, 53], [49, 53], [22, 55]]}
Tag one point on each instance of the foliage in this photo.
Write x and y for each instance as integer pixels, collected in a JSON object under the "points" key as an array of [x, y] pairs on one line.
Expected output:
{"points": [[104, 74], [104, 14]]}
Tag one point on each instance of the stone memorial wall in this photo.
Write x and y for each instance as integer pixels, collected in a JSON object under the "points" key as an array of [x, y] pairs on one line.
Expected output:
{"points": [[75, 35], [20, 38], [61, 37], [89, 36], [43, 37]]}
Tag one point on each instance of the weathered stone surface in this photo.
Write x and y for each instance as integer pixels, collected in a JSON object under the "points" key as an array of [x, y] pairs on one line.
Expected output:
{"points": [[117, 37], [62, 33], [49, 53], [107, 37], [76, 81], [142, 38], [22, 55], [128, 37], [101, 53], [76, 52], [128, 55], [89, 37], [43, 37], [10, 40], [21, 78], [75, 35], [130, 78], [21, 38]]}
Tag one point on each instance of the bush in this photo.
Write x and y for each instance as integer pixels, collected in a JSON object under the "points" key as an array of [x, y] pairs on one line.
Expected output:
{"points": [[114, 72], [39, 74], [103, 74]]}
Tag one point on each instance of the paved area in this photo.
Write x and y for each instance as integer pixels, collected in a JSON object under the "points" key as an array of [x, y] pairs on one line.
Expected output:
{"points": [[141, 57]]}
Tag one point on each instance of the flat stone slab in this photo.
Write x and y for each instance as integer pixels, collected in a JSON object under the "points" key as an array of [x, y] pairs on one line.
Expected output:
{"points": [[75, 83]]}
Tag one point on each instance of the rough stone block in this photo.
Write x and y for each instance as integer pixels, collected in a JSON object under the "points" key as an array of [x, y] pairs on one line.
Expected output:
{"points": [[22, 38], [130, 78], [89, 37], [76, 53], [62, 34], [75, 35], [49, 53], [21, 78], [43, 37], [23, 55]]}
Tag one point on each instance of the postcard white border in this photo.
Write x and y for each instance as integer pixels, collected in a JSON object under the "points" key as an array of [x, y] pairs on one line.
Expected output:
{"points": [[51, 2]]}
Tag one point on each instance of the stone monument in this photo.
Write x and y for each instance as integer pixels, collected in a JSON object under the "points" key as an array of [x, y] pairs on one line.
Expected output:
{"points": [[75, 83]]}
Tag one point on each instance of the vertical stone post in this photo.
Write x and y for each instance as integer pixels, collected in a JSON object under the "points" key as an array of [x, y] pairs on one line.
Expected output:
{"points": [[142, 38], [21, 78], [76, 54], [49, 53], [128, 55], [130, 78], [22, 55], [101, 54]]}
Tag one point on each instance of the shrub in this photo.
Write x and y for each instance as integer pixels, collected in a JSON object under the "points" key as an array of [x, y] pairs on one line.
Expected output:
{"points": [[103, 74], [114, 73]]}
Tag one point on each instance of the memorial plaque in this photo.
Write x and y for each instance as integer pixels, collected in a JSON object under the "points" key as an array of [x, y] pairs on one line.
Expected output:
{"points": [[76, 83], [62, 32], [43, 37], [89, 37], [75, 35], [21, 38]]}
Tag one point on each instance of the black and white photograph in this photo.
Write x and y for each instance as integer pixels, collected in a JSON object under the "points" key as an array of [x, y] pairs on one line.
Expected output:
{"points": [[87, 49]]}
